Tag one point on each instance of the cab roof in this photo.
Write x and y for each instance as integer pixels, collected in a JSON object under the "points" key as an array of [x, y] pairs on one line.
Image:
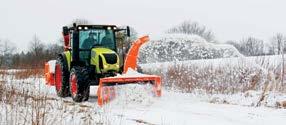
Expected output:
{"points": [[96, 26]]}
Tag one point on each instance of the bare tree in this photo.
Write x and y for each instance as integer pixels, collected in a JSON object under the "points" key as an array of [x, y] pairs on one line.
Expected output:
{"points": [[188, 27], [250, 46], [52, 51], [123, 43], [36, 46], [80, 21], [277, 43], [7, 48]]}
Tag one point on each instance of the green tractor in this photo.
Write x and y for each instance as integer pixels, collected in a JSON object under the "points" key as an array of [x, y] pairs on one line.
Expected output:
{"points": [[90, 57]]}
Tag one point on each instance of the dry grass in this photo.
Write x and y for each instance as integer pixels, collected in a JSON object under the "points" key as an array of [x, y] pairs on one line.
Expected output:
{"points": [[2, 88], [26, 73], [3, 73], [15, 99], [223, 79], [214, 79], [281, 104], [22, 102]]}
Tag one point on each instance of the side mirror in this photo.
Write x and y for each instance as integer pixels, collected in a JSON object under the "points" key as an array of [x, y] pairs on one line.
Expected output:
{"points": [[65, 30], [128, 31]]}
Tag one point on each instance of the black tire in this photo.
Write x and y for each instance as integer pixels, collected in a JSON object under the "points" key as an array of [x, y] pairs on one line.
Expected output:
{"points": [[63, 88], [86, 94], [79, 84]]}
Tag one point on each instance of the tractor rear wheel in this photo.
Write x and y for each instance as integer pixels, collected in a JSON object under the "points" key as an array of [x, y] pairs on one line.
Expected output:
{"points": [[62, 77], [79, 84]]}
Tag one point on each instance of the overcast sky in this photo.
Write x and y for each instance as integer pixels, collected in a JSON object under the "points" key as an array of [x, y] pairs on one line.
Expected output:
{"points": [[228, 19]]}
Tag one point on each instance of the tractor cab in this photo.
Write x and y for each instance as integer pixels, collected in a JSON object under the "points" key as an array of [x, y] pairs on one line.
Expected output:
{"points": [[94, 46], [94, 40]]}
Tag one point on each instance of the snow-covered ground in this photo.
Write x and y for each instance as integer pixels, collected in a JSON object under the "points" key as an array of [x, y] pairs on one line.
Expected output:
{"points": [[186, 109], [135, 106]]}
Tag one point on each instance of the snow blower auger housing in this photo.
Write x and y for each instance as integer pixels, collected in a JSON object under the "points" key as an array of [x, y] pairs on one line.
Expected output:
{"points": [[91, 57]]}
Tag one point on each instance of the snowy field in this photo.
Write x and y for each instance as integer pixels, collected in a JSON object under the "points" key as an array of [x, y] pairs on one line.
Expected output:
{"points": [[134, 106], [171, 108]]}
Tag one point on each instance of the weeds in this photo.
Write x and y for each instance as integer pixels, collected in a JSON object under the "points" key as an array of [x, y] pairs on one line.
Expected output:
{"points": [[213, 79], [26, 73], [222, 77], [3, 73], [23, 101], [226, 77]]}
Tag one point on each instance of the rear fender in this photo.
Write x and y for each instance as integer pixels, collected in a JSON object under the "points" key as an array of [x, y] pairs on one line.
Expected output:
{"points": [[50, 67], [67, 58]]}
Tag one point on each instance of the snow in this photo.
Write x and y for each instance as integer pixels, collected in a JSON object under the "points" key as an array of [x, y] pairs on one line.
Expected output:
{"points": [[52, 66], [179, 47], [184, 109], [130, 73]]}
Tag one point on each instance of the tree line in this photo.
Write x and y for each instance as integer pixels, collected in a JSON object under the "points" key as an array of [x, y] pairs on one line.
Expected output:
{"points": [[37, 54], [249, 46], [252, 46]]}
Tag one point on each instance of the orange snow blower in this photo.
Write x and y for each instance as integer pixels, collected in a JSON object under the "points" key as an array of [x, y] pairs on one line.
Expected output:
{"points": [[91, 58]]}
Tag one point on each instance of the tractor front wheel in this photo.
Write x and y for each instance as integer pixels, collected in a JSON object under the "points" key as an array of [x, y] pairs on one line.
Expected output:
{"points": [[79, 84]]}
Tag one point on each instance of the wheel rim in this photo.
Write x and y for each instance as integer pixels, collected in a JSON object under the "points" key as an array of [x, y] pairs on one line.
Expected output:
{"points": [[73, 85], [58, 79]]}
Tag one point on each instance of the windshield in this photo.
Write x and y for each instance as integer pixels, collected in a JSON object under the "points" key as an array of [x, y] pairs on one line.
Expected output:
{"points": [[96, 37]]}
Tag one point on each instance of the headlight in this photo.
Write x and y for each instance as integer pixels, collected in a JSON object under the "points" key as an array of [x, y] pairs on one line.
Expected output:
{"points": [[105, 66]]}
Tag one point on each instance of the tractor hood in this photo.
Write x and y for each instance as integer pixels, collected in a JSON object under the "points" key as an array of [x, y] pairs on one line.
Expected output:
{"points": [[102, 50], [105, 60]]}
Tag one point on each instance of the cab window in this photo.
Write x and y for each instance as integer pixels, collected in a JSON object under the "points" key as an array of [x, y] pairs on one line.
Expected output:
{"points": [[91, 38], [97, 38]]}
